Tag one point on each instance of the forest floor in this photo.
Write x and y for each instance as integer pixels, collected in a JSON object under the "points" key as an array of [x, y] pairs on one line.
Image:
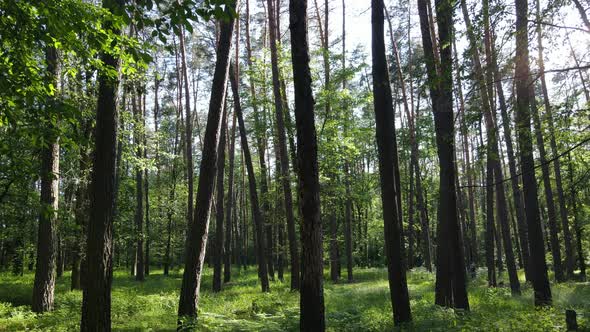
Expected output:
{"points": [[360, 306]]}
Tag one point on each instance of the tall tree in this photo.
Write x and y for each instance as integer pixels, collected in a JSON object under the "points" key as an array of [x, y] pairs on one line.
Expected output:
{"points": [[96, 301], [538, 266], [138, 142], [385, 135], [450, 273], [312, 283], [282, 140], [492, 149], [44, 285], [257, 215], [567, 237], [218, 254], [196, 241]]}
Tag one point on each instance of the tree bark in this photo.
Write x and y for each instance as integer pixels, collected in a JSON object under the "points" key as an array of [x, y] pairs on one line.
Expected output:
{"points": [[96, 303], [538, 266], [312, 290], [197, 233], [384, 119]]}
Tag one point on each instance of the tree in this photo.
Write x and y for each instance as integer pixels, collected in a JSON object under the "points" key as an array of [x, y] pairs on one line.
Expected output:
{"points": [[96, 301], [196, 241], [44, 286], [219, 241], [385, 135], [312, 288], [450, 273], [538, 266], [256, 213]]}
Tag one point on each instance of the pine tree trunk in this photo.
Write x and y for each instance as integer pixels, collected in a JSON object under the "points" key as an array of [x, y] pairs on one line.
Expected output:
{"points": [[567, 237], [96, 303], [384, 119], [256, 213], [219, 240], [197, 233], [450, 287], [489, 230], [230, 206], [312, 290], [538, 266]]}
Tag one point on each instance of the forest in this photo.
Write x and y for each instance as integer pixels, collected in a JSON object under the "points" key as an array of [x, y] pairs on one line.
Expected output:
{"points": [[284, 165]]}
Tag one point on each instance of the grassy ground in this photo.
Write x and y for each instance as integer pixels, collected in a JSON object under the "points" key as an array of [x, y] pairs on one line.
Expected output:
{"points": [[360, 306]]}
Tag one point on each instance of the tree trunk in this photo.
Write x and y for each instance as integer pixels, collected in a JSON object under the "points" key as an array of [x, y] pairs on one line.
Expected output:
{"points": [[312, 289], [197, 233], [137, 141], [538, 266], [230, 205], [44, 285], [567, 237], [96, 303], [450, 273], [514, 176], [256, 213], [219, 240], [384, 119], [549, 199], [489, 230], [577, 225], [493, 150]]}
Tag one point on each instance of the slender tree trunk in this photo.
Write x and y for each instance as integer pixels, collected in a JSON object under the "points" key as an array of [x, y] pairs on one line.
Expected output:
{"points": [[256, 213], [538, 266], [219, 240], [514, 176], [197, 233], [230, 205], [549, 199], [312, 288], [489, 230], [282, 140], [567, 237], [493, 150], [384, 119], [96, 303], [577, 225], [188, 141], [138, 142]]}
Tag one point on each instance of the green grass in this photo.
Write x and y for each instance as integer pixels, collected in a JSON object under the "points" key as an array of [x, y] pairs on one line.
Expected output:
{"points": [[361, 306]]}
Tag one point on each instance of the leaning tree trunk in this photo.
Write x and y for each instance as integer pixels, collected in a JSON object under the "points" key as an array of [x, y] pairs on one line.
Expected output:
{"points": [[493, 150], [282, 140], [384, 120], [44, 286], [312, 288], [538, 266], [567, 237], [218, 255], [196, 241], [96, 303], [256, 213]]}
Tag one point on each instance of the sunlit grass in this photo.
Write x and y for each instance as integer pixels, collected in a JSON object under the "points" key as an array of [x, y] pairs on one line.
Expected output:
{"points": [[363, 305]]}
